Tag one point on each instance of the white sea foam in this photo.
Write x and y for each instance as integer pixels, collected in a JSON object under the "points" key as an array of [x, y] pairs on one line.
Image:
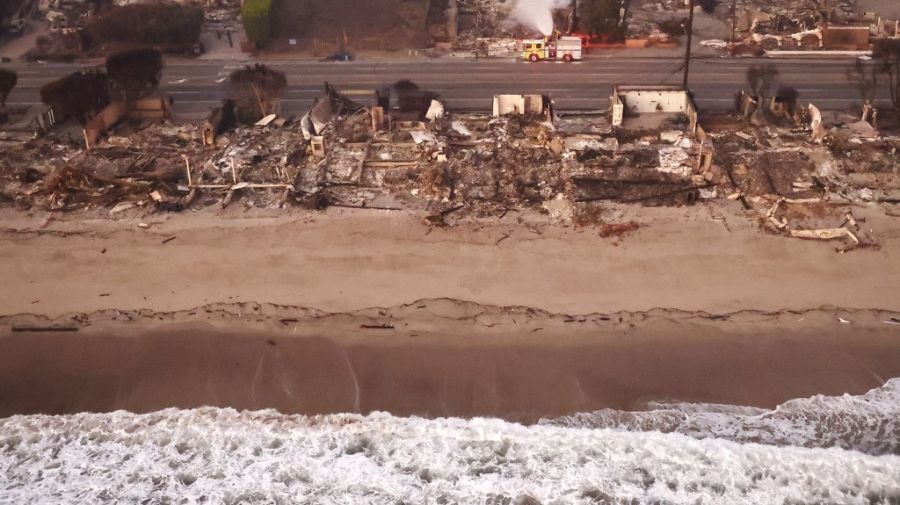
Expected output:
{"points": [[868, 423], [223, 456]]}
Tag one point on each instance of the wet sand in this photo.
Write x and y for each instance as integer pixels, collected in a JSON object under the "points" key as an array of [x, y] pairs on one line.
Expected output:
{"points": [[439, 358]]}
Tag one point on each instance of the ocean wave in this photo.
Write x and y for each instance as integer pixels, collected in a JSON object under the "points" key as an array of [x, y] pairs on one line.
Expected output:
{"points": [[222, 456], [868, 423]]}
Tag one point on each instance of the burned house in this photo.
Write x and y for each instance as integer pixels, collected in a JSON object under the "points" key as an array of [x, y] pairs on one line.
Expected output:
{"points": [[845, 37], [661, 153], [363, 150]]}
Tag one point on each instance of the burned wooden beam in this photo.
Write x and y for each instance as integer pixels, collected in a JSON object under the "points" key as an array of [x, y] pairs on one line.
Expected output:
{"points": [[44, 329], [668, 193], [602, 180], [643, 198], [734, 183], [390, 164]]}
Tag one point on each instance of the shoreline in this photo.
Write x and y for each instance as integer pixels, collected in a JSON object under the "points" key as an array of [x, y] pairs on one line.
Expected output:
{"points": [[439, 358]]}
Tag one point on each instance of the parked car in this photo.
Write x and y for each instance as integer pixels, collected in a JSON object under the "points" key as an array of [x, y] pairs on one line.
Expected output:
{"points": [[340, 56], [17, 26]]}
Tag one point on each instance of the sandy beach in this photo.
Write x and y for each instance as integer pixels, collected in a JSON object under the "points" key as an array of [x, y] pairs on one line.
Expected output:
{"points": [[361, 311], [343, 260]]}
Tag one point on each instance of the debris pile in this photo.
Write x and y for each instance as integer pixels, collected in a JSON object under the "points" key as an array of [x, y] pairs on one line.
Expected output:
{"points": [[490, 27], [495, 27], [802, 181], [222, 14], [522, 156], [795, 173], [162, 166], [770, 25]]}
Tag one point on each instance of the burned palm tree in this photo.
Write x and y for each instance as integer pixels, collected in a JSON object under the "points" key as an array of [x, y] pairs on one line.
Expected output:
{"points": [[887, 56], [865, 78], [256, 91], [8, 80], [135, 72], [80, 95], [761, 78]]}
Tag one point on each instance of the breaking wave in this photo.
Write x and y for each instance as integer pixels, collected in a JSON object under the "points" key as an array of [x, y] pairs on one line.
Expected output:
{"points": [[223, 456], [868, 423]]}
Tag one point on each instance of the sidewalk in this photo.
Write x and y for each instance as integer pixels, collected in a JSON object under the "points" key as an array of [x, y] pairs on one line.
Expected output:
{"points": [[216, 45], [16, 48]]}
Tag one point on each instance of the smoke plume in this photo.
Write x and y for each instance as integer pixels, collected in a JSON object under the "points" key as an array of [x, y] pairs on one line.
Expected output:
{"points": [[537, 14]]}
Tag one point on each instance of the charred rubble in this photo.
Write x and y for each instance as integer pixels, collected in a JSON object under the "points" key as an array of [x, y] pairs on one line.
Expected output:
{"points": [[794, 169]]}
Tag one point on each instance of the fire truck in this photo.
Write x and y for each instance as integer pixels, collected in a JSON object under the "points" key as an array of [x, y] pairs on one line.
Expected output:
{"points": [[552, 49]]}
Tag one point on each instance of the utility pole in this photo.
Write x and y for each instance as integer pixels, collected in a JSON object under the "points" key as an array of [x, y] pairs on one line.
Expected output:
{"points": [[687, 51]]}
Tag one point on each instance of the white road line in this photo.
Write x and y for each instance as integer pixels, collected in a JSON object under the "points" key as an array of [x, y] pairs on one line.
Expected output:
{"points": [[556, 100]]}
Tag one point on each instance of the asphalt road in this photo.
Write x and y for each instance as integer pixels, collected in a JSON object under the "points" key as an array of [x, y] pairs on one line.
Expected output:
{"points": [[468, 85]]}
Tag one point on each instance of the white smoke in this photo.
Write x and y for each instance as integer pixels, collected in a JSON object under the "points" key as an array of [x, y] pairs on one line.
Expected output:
{"points": [[537, 14]]}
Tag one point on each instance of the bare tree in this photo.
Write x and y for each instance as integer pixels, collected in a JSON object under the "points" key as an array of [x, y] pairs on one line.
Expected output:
{"points": [[609, 18]]}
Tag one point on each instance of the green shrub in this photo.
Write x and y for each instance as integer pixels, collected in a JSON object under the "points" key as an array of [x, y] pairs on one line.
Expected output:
{"points": [[257, 18]]}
